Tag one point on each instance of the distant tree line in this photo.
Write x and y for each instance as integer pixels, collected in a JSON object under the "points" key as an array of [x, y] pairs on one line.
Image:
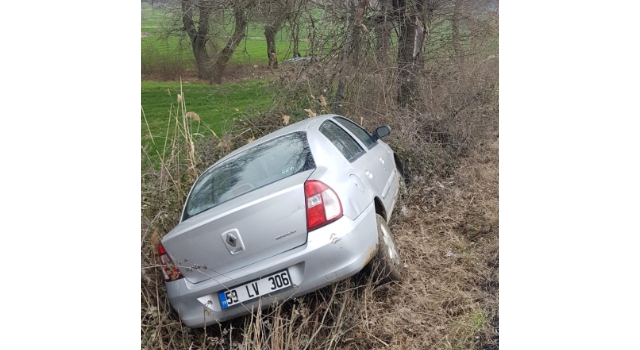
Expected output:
{"points": [[395, 32]]}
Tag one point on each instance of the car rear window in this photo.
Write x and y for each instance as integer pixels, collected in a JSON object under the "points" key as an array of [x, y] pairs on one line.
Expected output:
{"points": [[255, 167]]}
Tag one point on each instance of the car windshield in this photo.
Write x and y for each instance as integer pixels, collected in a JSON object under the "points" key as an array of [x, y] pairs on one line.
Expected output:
{"points": [[251, 169]]}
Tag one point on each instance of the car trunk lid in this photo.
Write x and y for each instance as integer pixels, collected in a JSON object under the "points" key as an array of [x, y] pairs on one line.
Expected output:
{"points": [[245, 230]]}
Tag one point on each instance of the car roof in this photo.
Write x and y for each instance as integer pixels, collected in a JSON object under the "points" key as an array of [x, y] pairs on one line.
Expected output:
{"points": [[299, 126]]}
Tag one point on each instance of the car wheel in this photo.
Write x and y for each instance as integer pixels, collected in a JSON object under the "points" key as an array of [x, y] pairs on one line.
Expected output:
{"points": [[389, 266]]}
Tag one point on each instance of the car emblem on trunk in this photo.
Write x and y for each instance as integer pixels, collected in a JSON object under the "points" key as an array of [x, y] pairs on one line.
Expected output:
{"points": [[233, 241]]}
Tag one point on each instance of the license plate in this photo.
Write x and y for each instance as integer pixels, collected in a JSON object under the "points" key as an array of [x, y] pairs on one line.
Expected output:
{"points": [[255, 289]]}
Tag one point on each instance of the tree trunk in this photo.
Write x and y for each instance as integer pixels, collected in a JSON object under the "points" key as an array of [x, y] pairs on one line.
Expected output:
{"points": [[351, 51], [455, 31], [232, 44], [383, 24], [270, 35], [311, 30], [406, 63], [294, 21], [410, 53], [295, 31], [358, 29], [198, 36]]}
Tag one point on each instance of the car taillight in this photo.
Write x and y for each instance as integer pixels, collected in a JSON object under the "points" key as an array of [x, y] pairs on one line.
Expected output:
{"points": [[323, 204], [169, 269]]}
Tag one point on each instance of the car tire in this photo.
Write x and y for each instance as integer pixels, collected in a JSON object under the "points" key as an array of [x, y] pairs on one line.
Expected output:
{"points": [[388, 266]]}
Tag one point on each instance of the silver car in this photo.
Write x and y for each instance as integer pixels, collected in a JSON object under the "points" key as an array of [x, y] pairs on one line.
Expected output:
{"points": [[287, 214]]}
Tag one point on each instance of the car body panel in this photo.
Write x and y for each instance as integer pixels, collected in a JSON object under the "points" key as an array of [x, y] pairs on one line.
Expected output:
{"points": [[385, 173], [268, 221], [380, 168], [347, 179], [332, 253]]}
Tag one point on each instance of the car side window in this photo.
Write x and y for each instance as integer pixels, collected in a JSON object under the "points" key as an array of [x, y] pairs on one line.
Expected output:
{"points": [[360, 133], [349, 148]]}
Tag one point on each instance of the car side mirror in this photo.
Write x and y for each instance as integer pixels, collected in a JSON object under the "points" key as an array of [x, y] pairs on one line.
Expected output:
{"points": [[381, 132]]}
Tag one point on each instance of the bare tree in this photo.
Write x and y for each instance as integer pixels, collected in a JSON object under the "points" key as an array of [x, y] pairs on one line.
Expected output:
{"points": [[468, 17], [414, 22], [293, 19], [273, 13], [295, 11], [383, 23], [351, 47], [238, 34], [455, 29], [198, 34], [196, 18]]}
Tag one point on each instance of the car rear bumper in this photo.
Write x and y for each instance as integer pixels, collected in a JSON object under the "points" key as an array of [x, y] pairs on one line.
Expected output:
{"points": [[332, 253]]}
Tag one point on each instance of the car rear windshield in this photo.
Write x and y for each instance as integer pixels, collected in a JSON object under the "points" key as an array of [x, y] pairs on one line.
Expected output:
{"points": [[255, 167]]}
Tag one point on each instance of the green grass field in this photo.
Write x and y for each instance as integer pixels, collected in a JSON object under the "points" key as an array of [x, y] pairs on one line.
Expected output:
{"points": [[252, 50], [216, 106]]}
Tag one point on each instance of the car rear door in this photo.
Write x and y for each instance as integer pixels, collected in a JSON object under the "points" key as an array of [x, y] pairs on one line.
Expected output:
{"points": [[350, 171], [380, 170]]}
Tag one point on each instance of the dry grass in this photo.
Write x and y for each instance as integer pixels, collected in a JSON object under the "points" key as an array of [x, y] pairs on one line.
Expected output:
{"points": [[447, 230], [449, 238]]}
